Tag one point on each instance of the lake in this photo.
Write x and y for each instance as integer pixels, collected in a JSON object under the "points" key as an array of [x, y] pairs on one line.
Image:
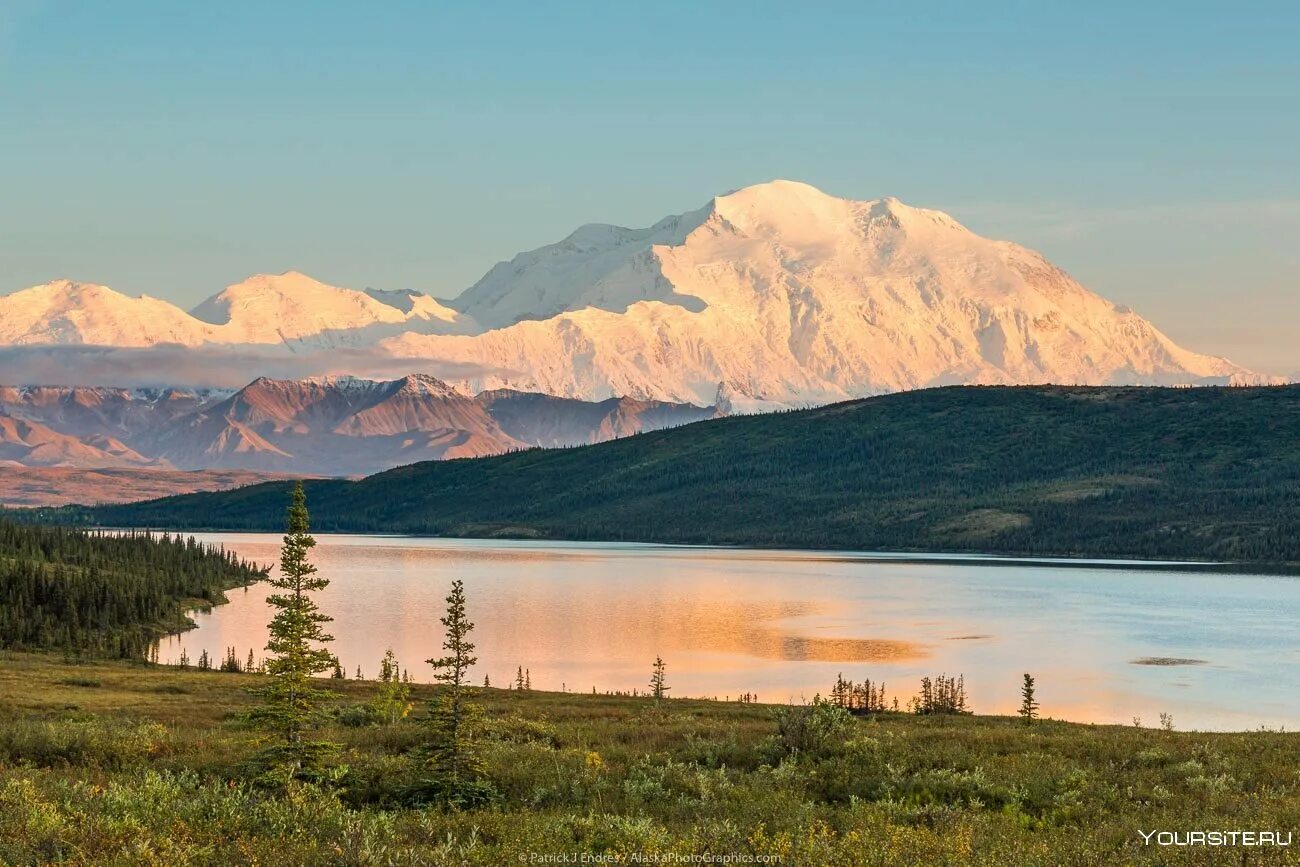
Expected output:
{"points": [[1107, 643]]}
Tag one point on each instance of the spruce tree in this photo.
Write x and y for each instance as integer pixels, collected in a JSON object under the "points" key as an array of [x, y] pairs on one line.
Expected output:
{"points": [[1028, 706], [290, 703], [230, 663], [658, 687], [452, 717]]}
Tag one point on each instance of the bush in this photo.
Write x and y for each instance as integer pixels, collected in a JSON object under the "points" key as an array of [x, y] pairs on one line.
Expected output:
{"points": [[812, 730], [537, 775], [516, 729], [357, 715], [948, 787]]}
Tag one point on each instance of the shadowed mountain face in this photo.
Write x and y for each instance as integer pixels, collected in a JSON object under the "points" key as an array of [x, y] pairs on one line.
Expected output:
{"points": [[57, 426], [334, 426], [543, 420]]}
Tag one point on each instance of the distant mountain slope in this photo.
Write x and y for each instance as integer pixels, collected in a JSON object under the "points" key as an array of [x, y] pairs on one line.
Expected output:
{"points": [[30, 444], [326, 426], [1146, 472], [542, 420], [85, 411], [333, 426]]}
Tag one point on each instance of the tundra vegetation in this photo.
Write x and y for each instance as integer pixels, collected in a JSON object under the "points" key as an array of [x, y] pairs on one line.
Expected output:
{"points": [[117, 762]]}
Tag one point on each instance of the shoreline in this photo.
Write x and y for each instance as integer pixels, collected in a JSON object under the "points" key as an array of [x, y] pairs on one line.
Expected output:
{"points": [[842, 555]]}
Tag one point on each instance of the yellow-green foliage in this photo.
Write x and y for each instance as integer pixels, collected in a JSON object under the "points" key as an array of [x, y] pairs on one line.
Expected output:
{"points": [[119, 763]]}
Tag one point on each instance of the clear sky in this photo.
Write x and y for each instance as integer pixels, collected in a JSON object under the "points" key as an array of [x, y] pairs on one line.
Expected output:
{"points": [[1151, 149]]}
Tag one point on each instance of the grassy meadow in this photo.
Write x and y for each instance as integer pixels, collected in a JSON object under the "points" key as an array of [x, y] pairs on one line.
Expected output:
{"points": [[119, 762]]}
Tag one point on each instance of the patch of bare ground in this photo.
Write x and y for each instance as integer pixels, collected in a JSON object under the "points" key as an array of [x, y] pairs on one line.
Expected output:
{"points": [[61, 486], [983, 523]]}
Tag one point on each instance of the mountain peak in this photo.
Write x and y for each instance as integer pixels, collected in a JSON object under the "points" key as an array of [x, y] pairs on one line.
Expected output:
{"points": [[286, 282], [794, 210], [423, 384], [778, 206], [73, 290], [777, 188]]}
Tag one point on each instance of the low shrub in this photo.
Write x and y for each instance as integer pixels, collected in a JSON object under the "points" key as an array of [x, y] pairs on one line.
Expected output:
{"points": [[98, 742]]}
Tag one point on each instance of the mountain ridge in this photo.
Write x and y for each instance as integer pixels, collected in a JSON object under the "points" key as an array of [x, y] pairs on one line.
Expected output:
{"points": [[780, 293], [326, 425]]}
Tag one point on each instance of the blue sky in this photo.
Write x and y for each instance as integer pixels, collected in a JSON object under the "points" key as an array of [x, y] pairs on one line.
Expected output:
{"points": [[173, 148]]}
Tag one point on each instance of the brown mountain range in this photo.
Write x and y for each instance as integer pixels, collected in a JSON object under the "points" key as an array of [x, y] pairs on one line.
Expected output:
{"points": [[336, 426]]}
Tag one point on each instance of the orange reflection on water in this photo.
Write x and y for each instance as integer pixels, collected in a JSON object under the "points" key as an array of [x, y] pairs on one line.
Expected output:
{"points": [[785, 624]]}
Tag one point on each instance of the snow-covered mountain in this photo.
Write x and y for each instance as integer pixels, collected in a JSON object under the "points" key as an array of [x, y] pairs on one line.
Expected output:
{"points": [[289, 309], [295, 309], [64, 312], [783, 294], [774, 295]]}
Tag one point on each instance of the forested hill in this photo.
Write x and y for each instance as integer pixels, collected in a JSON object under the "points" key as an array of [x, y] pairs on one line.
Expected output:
{"points": [[1145, 472], [68, 589]]}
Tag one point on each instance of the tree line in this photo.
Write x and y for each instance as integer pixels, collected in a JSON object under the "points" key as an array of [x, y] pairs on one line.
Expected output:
{"points": [[107, 594]]}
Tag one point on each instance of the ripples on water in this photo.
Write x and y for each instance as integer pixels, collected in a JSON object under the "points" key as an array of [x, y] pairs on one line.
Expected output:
{"points": [[784, 624]]}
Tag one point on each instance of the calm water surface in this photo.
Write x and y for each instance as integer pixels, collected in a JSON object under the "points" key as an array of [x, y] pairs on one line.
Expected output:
{"points": [[782, 624]]}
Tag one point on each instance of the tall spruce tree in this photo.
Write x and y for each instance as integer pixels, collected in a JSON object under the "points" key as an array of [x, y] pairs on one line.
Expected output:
{"points": [[1028, 706], [658, 685], [296, 654], [452, 716]]}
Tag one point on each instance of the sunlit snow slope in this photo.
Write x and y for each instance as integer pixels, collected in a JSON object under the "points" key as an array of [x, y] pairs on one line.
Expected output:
{"points": [[777, 294]]}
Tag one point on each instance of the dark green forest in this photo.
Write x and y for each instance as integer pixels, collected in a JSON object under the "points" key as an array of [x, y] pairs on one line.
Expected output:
{"points": [[103, 594], [1200, 473]]}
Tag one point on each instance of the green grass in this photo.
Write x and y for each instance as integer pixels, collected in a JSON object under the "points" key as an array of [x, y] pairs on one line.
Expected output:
{"points": [[120, 763], [1202, 473]]}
